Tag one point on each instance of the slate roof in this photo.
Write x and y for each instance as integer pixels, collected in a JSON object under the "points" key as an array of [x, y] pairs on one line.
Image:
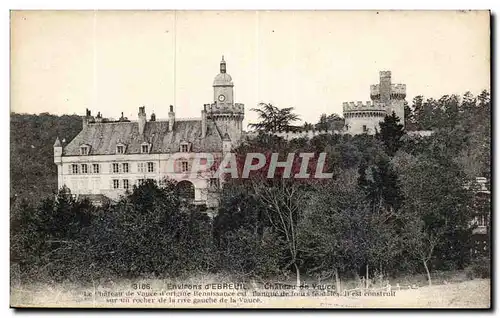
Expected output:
{"points": [[104, 137]]}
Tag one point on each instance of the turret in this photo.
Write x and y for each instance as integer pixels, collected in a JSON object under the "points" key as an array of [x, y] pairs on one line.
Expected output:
{"points": [[171, 118], [58, 151], [142, 119], [385, 86]]}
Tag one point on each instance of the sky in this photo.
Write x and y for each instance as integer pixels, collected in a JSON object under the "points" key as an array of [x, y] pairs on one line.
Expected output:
{"points": [[63, 62]]}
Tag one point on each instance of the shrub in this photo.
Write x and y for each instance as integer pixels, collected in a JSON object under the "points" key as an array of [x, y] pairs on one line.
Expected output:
{"points": [[479, 268], [246, 253]]}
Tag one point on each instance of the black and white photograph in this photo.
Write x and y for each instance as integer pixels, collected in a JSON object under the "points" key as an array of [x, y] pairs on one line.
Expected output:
{"points": [[250, 159]]}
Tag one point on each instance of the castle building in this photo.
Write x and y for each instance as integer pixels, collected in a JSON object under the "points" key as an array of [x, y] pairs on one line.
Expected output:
{"points": [[108, 157], [385, 98]]}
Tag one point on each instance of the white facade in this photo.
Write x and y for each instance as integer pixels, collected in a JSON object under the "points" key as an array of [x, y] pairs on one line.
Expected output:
{"points": [[112, 182], [108, 158]]}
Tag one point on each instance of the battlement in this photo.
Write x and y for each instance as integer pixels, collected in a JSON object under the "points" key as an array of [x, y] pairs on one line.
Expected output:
{"points": [[397, 90], [360, 106], [385, 74], [215, 108]]}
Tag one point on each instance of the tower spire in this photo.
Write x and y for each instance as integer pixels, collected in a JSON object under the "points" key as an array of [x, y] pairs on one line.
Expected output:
{"points": [[223, 65]]}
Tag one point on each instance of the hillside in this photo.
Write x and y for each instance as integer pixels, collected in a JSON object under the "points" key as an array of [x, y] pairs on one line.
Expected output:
{"points": [[32, 170]]}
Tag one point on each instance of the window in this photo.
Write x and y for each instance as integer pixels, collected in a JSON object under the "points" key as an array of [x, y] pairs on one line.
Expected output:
{"points": [[145, 148], [140, 181], [184, 166], [116, 183], [125, 184], [74, 169], [184, 148], [85, 168], [120, 149], [141, 167], [125, 167], [84, 150], [214, 182], [364, 128], [481, 220], [116, 168], [95, 168], [151, 167]]}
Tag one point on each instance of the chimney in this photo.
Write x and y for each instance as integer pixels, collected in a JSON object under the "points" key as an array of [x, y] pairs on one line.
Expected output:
{"points": [[171, 118], [98, 118], [142, 119], [204, 121], [86, 118]]}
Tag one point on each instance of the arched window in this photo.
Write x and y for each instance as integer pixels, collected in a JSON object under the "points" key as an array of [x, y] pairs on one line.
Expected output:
{"points": [[185, 190]]}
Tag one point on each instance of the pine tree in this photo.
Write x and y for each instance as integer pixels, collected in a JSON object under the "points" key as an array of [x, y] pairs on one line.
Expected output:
{"points": [[390, 134]]}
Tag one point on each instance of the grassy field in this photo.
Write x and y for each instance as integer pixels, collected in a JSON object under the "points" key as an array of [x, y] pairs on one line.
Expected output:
{"points": [[465, 294]]}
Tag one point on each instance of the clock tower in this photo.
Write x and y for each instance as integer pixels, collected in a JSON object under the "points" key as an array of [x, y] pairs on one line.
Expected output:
{"points": [[227, 114], [223, 86]]}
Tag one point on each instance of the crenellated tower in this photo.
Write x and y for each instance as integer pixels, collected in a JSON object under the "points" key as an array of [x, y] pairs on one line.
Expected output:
{"points": [[227, 115], [391, 95], [385, 98]]}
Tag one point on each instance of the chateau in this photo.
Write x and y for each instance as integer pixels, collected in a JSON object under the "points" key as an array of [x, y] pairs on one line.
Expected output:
{"points": [[108, 157]]}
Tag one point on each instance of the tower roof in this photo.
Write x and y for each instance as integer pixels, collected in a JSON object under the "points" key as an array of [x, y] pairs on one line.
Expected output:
{"points": [[57, 143], [223, 79]]}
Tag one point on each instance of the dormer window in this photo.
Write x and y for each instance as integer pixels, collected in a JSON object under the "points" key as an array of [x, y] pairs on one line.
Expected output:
{"points": [[120, 148], [184, 147], [145, 148], [84, 150]]}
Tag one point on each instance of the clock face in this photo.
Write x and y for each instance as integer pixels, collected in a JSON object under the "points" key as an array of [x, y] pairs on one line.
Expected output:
{"points": [[222, 98]]}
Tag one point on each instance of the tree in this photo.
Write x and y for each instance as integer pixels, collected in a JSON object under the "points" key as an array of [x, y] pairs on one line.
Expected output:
{"points": [[381, 184], [438, 208], [390, 134], [308, 126], [49, 241], [285, 202], [409, 120], [274, 119], [152, 232], [330, 122], [427, 114], [422, 242], [32, 169], [334, 229]]}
